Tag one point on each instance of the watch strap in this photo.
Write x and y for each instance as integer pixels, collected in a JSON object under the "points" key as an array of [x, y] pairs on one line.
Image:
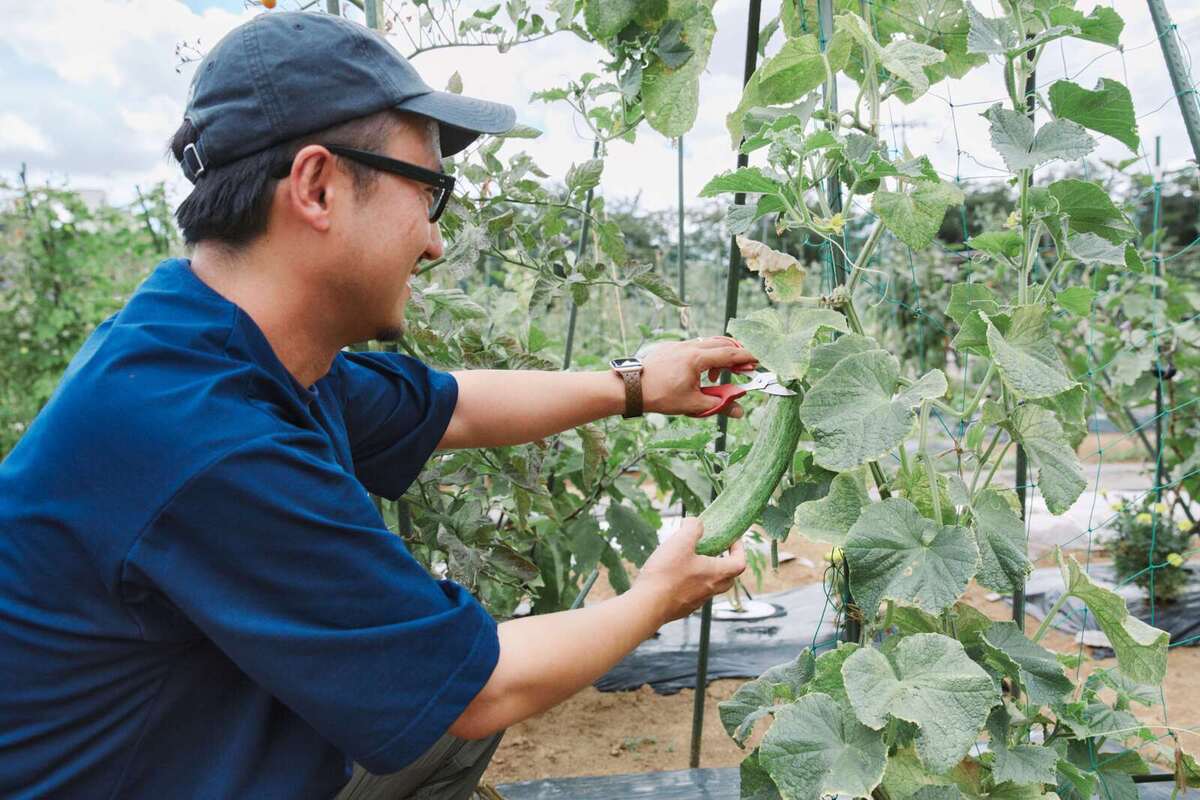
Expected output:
{"points": [[633, 393]]}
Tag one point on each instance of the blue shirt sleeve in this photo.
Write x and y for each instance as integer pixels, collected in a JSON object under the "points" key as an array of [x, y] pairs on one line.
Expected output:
{"points": [[396, 410], [277, 555]]}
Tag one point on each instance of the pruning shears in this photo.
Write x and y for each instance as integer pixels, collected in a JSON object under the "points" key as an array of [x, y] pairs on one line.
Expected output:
{"points": [[728, 392]]}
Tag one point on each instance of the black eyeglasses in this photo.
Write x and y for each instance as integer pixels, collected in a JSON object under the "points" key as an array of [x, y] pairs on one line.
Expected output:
{"points": [[439, 180]]}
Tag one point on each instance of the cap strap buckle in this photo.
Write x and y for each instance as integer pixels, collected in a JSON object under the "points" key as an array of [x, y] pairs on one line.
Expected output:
{"points": [[197, 169]]}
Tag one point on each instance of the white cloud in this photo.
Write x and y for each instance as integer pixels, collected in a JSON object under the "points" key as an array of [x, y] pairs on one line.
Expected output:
{"points": [[18, 135]]}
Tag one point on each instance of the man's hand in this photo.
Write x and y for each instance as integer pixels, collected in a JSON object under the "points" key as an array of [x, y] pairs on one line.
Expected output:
{"points": [[672, 371], [679, 580]]}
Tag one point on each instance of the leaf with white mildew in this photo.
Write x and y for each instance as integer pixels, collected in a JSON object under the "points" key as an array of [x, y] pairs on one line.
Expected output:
{"points": [[853, 414], [816, 748], [1059, 476], [897, 554], [1014, 139], [830, 518], [929, 681], [1141, 649], [784, 344], [1026, 356]]}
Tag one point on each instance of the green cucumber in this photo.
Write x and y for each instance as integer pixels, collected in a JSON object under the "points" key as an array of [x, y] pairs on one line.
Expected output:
{"points": [[746, 494]]}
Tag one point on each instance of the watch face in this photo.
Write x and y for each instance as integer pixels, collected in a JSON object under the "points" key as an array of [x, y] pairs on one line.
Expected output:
{"points": [[626, 364]]}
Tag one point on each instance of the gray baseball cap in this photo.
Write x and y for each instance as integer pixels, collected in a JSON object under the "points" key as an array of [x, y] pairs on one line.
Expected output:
{"points": [[288, 74]]}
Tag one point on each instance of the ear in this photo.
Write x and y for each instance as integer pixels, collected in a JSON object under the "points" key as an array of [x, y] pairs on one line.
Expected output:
{"points": [[312, 187]]}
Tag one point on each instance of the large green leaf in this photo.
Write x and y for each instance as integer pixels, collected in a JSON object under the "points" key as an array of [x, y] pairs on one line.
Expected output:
{"points": [[1026, 356], [851, 412], [897, 554], [1090, 210], [1014, 139], [671, 96], [816, 747], [757, 698], [828, 678], [915, 216], [1059, 476], [929, 681], [830, 518], [797, 69], [1037, 669], [1003, 543], [1107, 109], [785, 347], [1141, 649], [1103, 25]]}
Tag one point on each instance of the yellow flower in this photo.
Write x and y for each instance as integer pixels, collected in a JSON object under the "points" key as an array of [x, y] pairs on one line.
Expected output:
{"points": [[1118, 506], [1175, 560], [834, 556], [1185, 526], [1143, 519], [1160, 508]]}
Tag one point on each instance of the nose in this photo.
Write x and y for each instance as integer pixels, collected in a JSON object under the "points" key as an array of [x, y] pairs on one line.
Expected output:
{"points": [[435, 248]]}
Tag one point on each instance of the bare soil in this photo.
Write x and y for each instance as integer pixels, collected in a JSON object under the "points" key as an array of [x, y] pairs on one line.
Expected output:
{"points": [[601, 733]]}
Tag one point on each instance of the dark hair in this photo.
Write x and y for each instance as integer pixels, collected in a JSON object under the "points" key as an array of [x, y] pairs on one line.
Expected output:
{"points": [[230, 203]]}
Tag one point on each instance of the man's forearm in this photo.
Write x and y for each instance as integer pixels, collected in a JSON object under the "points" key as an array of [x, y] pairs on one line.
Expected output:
{"points": [[507, 407], [547, 658]]}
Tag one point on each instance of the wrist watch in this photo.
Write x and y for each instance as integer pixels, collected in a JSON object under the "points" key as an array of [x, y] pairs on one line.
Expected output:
{"points": [[630, 370]]}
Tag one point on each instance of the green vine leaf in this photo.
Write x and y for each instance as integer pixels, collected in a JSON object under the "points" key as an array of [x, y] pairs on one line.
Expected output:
{"points": [[1141, 649], [1059, 476], [1036, 668], [928, 681], [785, 347], [797, 69], [764, 695], [671, 49], [828, 678], [816, 748], [852, 414], [1103, 25], [1026, 356], [1076, 299], [637, 538], [897, 554], [1013, 138], [830, 518], [1107, 109], [1001, 244], [1003, 544], [1089, 209], [907, 60], [671, 95], [915, 216]]}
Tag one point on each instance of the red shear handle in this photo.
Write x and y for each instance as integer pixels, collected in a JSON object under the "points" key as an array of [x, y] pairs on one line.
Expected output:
{"points": [[727, 392]]}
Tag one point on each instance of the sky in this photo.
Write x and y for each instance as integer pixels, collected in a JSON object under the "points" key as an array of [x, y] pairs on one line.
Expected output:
{"points": [[90, 91]]}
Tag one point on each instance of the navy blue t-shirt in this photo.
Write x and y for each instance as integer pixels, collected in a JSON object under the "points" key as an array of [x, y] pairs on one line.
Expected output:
{"points": [[197, 596]]}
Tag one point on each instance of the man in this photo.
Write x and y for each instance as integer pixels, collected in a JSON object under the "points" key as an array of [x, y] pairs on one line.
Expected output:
{"points": [[197, 596]]}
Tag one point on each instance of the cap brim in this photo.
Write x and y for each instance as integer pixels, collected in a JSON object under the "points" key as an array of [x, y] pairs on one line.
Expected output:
{"points": [[461, 119]]}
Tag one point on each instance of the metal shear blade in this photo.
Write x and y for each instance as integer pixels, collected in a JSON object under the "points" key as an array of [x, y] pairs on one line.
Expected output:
{"points": [[769, 383]]}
